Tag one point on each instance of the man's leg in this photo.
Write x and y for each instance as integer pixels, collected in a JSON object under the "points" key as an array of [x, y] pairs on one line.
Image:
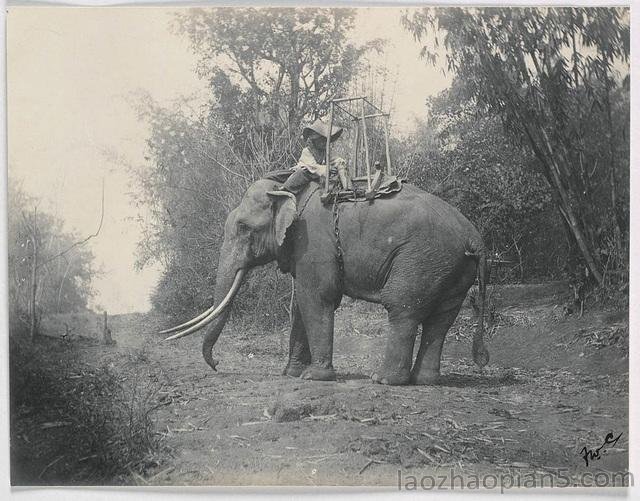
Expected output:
{"points": [[297, 181]]}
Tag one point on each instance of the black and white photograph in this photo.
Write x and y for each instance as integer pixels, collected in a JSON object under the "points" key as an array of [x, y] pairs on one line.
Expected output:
{"points": [[319, 245]]}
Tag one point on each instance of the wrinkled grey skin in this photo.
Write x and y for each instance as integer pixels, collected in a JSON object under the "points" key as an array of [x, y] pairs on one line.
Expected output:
{"points": [[411, 252]]}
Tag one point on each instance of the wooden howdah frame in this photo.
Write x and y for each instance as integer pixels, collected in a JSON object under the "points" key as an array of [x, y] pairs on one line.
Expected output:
{"points": [[361, 127]]}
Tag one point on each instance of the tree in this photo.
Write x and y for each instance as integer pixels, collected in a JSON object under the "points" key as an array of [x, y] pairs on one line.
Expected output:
{"points": [[471, 162], [48, 272], [270, 69], [552, 75]]}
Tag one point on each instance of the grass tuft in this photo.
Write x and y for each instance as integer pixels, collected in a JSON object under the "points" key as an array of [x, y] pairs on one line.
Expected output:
{"points": [[72, 423]]}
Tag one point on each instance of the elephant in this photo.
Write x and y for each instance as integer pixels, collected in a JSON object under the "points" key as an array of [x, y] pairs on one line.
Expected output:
{"points": [[411, 252]]}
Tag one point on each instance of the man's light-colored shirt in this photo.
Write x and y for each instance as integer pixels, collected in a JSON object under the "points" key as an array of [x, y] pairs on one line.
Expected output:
{"points": [[309, 161]]}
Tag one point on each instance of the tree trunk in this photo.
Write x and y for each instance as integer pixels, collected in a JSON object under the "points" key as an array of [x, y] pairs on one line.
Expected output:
{"points": [[553, 175], [619, 228], [64, 278], [569, 214], [554, 164], [33, 331], [106, 332], [519, 251]]}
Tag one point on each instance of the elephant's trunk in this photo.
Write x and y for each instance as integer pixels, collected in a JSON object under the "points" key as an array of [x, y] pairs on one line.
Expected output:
{"points": [[211, 337], [227, 286]]}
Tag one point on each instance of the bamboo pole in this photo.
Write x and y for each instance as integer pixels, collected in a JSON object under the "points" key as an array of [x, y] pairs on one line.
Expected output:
{"points": [[343, 99], [386, 144], [328, 153], [353, 117], [356, 148], [372, 105], [366, 145], [375, 115]]}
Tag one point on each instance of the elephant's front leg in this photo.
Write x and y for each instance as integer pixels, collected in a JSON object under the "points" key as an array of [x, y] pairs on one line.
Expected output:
{"points": [[317, 314], [299, 353]]}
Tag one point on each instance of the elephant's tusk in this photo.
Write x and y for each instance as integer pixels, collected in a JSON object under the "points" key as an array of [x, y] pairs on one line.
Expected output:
{"points": [[192, 329], [190, 322], [209, 315]]}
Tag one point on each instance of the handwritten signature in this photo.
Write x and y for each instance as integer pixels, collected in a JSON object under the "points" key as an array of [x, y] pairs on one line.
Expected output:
{"points": [[591, 454]]}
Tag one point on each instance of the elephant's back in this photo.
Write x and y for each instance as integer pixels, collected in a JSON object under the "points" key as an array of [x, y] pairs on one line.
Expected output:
{"points": [[409, 235], [425, 210], [413, 218]]}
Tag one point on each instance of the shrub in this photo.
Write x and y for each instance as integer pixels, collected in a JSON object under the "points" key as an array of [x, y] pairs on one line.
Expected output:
{"points": [[76, 424]]}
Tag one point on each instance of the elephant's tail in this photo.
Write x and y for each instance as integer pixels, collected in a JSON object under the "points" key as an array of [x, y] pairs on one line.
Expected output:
{"points": [[478, 349]]}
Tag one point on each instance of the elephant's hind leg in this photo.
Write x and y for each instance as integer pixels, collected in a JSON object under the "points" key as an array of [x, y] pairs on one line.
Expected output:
{"points": [[426, 369], [299, 352], [399, 353]]}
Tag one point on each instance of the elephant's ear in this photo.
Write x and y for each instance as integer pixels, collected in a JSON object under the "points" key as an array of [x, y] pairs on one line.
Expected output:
{"points": [[285, 208]]}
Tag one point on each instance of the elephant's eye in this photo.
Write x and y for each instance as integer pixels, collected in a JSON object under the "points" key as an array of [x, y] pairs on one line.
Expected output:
{"points": [[242, 227]]}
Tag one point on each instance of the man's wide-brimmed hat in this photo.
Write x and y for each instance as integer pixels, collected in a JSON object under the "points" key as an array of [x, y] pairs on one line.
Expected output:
{"points": [[322, 128]]}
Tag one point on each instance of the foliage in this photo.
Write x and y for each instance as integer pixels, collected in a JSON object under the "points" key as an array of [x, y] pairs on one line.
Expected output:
{"points": [[63, 278], [269, 70], [469, 161], [194, 180], [74, 423], [557, 77]]}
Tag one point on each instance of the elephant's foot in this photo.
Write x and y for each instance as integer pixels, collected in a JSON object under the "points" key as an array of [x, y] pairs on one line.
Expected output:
{"points": [[294, 370], [392, 378], [319, 373], [426, 377]]}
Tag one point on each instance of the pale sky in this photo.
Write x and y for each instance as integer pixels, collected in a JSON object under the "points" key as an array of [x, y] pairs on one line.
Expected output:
{"points": [[71, 72]]}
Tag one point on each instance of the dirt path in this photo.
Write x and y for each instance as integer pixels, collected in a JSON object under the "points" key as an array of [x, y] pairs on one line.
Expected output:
{"points": [[548, 391]]}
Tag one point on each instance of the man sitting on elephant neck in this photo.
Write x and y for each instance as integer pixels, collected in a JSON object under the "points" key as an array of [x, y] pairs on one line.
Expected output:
{"points": [[312, 163]]}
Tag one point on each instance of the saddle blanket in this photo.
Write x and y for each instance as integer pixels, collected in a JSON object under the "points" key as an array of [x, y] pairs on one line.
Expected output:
{"points": [[388, 186]]}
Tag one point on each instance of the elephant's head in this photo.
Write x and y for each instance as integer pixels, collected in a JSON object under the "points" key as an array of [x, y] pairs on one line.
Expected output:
{"points": [[254, 234]]}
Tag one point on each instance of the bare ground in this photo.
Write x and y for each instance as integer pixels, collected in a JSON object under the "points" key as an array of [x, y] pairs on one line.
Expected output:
{"points": [[555, 383]]}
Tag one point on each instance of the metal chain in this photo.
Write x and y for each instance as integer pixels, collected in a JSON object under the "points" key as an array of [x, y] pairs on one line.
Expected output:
{"points": [[336, 230]]}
